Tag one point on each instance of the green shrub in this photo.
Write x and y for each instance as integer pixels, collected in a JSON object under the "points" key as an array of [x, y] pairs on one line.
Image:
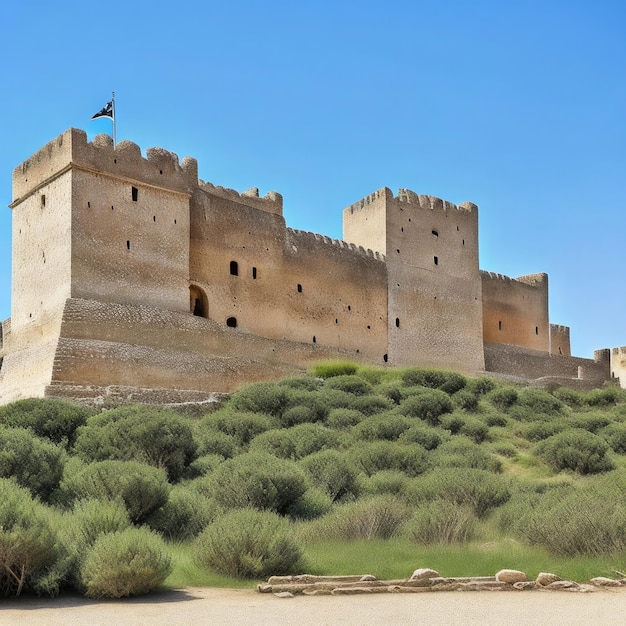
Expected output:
{"points": [[388, 426], [392, 389], [277, 442], [213, 441], [299, 414], [450, 382], [424, 435], [334, 398], [330, 471], [125, 563], [51, 419], [542, 429], [203, 465], [28, 545], [576, 450], [465, 399], [602, 397], [249, 544], [334, 368], [185, 514], [310, 438], [453, 422], [344, 418], [442, 522], [268, 398], [615, 435], [539, 401], [242, 427], [142, 488], [502, 398], [480, 489], [384, 482], [33, 463], [352, 384], [481, 386], [571, 397], [496, 419], [147, 434], [311, 504], [301, 383], [475, 430], [591, 421], [575, 523], [428, 406], [258, 480], [372, 405], [378, 517], [461, 452], [375, 456]]}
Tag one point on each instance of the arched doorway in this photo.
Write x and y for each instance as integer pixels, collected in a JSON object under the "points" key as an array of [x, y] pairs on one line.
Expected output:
{"points": [[198, 302]]}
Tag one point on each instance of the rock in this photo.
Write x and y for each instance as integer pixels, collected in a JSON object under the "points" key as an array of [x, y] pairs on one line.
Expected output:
{"points": [[284, 594], [525, 586], [543, 579], [511, 576], [602, 581], [562, 584], [367, 578], [424, 572]]}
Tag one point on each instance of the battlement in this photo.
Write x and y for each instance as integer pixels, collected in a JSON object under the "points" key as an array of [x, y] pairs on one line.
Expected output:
{"points": [[309, 237], [272, 202], [410, 197], [160, 168], [619, 352], [534, 280], [559, 328]]}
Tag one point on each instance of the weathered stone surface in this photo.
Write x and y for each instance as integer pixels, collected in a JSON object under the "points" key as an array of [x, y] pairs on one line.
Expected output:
{"points": [[424, 572], [602, 581], [545, 578], [525, 586], [563, 584], [344, 591], [284, 594], [511, 576]]}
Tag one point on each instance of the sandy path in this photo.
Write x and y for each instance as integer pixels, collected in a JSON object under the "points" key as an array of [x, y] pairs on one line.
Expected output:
{"points": [[229, 606]]}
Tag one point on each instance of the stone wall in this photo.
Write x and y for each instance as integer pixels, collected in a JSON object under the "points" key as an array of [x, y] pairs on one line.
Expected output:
{"points": [[618, 365]]}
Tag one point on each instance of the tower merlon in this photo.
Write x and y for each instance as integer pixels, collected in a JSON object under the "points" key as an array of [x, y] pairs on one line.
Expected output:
{"points": [[71, 149], [272, 202]]}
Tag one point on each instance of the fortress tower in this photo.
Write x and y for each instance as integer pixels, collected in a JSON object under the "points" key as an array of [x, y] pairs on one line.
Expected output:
{"points": [[434, 294]]}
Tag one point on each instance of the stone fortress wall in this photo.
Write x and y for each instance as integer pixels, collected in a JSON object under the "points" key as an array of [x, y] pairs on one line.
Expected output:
{"points": [[133, 278]]}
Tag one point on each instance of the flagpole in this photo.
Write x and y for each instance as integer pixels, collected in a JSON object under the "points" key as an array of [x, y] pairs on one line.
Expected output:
{"points": [[114, 120]]}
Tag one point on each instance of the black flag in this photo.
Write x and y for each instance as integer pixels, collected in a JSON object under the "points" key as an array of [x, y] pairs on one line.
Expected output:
{"points": [[106, 112]]}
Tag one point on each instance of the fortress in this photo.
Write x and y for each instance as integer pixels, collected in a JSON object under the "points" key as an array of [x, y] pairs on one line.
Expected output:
{"points": [[133, 280]]}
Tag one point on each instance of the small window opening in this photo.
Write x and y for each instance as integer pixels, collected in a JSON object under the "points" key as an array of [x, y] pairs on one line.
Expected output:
{"points": [[336, 321], [299, 288], [314, 339], [457, 229], [43, 200], [234, 268], [160, 171], [436, 260], [397, 322], [560, 351], [112, 208], [134, 192], [385, 358], [435, 233], [88, 205], [1, 359], [402, 229], [349, 308], [500, 325], [536, 330], [398, 250], [231, 322], [198, 302], [114, 160], [128, 245], [254, 273], [174, 221], [369, 327]]}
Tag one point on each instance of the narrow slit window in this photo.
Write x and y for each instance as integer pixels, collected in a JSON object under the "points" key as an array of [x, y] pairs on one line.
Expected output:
{"points": [[436, 260], [536, 330], [234, 268], [134, 193], [314, 339], [385, 358], [435, 233], [254, 273], [231, 322], [43, 200], [397, 322], [500, 325], [128, 244], [299, 288]]}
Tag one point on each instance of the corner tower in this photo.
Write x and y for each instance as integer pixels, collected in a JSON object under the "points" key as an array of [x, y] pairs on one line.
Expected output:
{"points": [[434, 294]]}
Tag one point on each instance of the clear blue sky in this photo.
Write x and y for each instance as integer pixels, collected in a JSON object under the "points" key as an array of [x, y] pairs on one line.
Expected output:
{"points": [[518, 106]]}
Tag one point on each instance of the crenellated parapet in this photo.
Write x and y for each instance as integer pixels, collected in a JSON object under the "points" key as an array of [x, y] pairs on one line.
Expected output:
{"points": [[272, 202], [316, 239], [406, 196], [160, 168], [534, 280]]}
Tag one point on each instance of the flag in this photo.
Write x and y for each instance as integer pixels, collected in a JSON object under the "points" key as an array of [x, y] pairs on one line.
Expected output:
{"points": [[106, 112]]}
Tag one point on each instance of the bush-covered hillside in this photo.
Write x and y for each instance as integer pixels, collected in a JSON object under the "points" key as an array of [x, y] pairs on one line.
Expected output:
{"points": [[107, 502]]}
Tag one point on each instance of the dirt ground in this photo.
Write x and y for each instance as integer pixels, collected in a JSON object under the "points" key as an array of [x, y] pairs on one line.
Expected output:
{"points": [[235, 606]]}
